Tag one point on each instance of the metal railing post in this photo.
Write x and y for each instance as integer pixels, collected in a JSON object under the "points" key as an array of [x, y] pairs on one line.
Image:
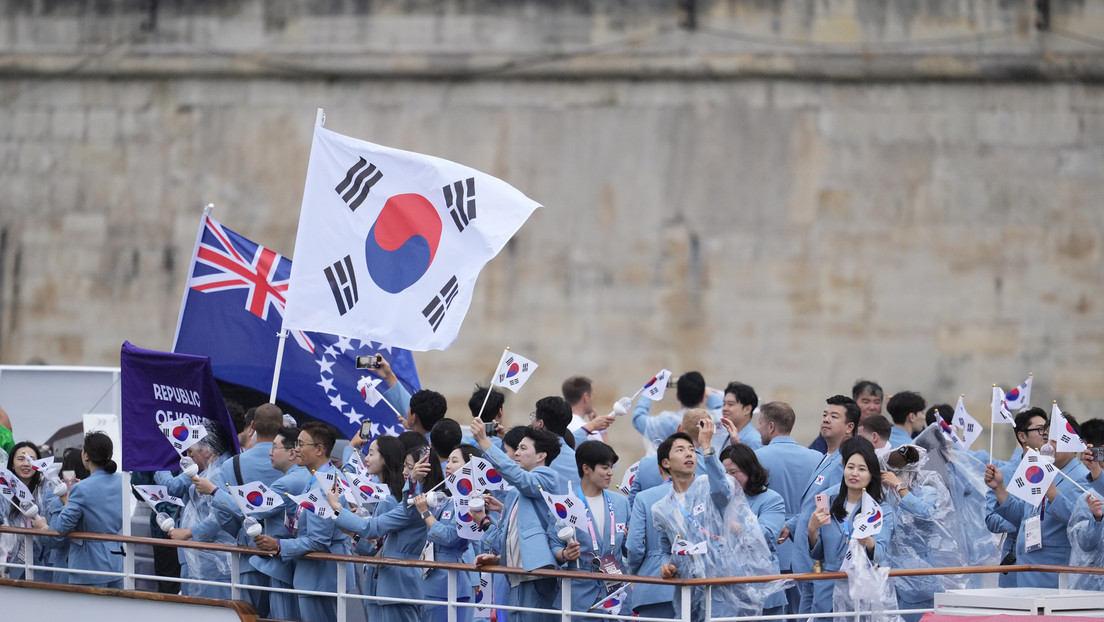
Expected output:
{"points": [[342, 589], [565, 599], [1063, 580], [685, 603], [451, 581], [235, 577], [709, 602], [28, 557]]}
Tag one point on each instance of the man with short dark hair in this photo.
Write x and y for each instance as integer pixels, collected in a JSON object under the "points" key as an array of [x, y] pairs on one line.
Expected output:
{"points": [[837, 424], [692, 392], [877, 429], [310, 533], [868, 395], [445, 436], [586, 423], [788, 465], [740, 402], [490, 412], [907, 410], [518, 538], [1049, 520], [423, 409], [552, 413], [602, 539]]}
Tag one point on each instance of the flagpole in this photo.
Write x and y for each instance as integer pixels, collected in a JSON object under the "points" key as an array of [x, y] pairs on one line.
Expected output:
{"points": [[490, 386], [319, 121], [1072, 481], [992, 429]]}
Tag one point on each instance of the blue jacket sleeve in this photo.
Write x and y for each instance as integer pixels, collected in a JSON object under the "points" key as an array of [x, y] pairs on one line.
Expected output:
{"points": [[67, 520], [1012, 510], [772, 516], [392, 520], [528, 483], [399, 397]]}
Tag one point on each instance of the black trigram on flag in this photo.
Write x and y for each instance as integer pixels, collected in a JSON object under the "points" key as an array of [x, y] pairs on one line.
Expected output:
{"points": [[1020, 482], [343, 284], [434, 312], [1035, 490], [1066, 438], [969, 427], [358, 182], [460, 199]]}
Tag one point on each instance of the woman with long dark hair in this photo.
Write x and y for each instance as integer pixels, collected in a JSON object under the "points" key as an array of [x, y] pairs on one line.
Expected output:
{"points": [[830, 530], [768, 506], [397, 527], [20, 464], [94, 505]]}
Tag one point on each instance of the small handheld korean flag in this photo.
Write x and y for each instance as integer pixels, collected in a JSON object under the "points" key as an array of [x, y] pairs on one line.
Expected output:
{"points": [[1001, 414], [461, 484], [513, 370], [15, 491], [466, 527], [612, 602], [153, 494], [971, 429], [366, 491], [627, 479], [255, 497], [369, 391], [313, 501], [566, 508], [390, 243], [483, 597], [486, 476], [1061, 432], [358, 463], [1020, 396], [684, 547], [950, 434], [868, 521], [1032, 478], [46, 466], [656, 387], [182, 434]]}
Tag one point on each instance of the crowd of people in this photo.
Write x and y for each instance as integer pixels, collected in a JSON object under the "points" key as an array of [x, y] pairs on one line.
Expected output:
{"points": [[720, 495]]}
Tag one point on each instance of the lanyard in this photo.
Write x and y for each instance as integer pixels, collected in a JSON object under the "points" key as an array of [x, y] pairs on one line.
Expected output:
{"points": [[690, 519], [590, 521]]}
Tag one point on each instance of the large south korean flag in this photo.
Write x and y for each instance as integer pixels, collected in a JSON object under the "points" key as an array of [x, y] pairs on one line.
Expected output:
{"points": [[391, 242]]}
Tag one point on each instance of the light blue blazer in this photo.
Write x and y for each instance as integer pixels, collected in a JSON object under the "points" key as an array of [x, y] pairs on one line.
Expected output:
{"points": [[644, 553], [770, 509], [826, 478], [533, 515], [275, 522], [404, 534], [586, 592], [315, 534], [789, 466], [95, 506], [831, 547]]}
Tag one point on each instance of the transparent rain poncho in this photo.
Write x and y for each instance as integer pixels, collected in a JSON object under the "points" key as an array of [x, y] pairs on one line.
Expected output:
{"points": [[923, 534], [867, 589], [208, 565], [964, 477], [1086, 537], [734, 546]]}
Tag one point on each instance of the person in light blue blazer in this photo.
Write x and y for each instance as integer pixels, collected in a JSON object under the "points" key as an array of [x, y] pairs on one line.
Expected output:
{"points": [[741, 463], [20, 462], [788, 466], [648, 473], [396, 526], [422, 410], [829, 531], [309, 532], [94, 505], [598, 546], [553, 413], [448, 545], [692, 392], [907, 410], [489, 409], [645, 555], [740, 402], [519, 536]]}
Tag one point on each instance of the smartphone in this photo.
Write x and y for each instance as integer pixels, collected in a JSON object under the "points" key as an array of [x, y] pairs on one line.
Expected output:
{"points": [[491, 428], [821, 502], [1098, 454], [366, 429], [68, 475], [369, 362]]}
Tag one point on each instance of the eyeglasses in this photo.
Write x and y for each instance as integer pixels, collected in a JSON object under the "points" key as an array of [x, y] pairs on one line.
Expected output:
{"points": [[533, 416], [1042, 430], [299, 444]]}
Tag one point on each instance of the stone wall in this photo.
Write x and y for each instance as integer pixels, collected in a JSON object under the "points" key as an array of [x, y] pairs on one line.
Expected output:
{"points": [[794, 194]]}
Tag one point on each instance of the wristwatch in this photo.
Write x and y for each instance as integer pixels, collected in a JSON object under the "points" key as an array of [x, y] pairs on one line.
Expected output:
{"points": [[426, 514], [709, 452]]}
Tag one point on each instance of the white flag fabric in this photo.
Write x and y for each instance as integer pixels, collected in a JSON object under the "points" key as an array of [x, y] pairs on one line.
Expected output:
{"points": [[1061, 432], [367, 492], [1020, 396], [485, 476], [466, 527], [15, 491], [255, 497], [313, 501], [868, 522], [154, 494], [461, 483], [612, 602], [513, 370], [970, 427], [390, 242], [183, 434], [368, 390], [566, 508], [656, 387], [950, 433], [357, 461], [627, 479], [46, 466], [1001, 414], [1032, 478], [483, 597], [685, 547]]}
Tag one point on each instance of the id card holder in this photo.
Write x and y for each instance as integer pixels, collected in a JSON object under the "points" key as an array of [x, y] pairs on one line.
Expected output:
{"points": [[1033, 534], [607, 564], [427, 555]]}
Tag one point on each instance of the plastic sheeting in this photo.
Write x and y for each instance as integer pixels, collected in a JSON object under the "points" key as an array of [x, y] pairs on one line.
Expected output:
{"points": [[1086, 537], [207, 565], [923, 535], [734, 547], [964, 477], [867, 590]]}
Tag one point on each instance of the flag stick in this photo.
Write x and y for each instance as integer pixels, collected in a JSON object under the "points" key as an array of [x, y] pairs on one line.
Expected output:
{"points": [[1072, 481], [319, 120], [992, 431], [491, 385]]}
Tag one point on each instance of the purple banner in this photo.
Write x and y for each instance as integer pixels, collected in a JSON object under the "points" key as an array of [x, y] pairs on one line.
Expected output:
{"points": [[161, 386]]}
